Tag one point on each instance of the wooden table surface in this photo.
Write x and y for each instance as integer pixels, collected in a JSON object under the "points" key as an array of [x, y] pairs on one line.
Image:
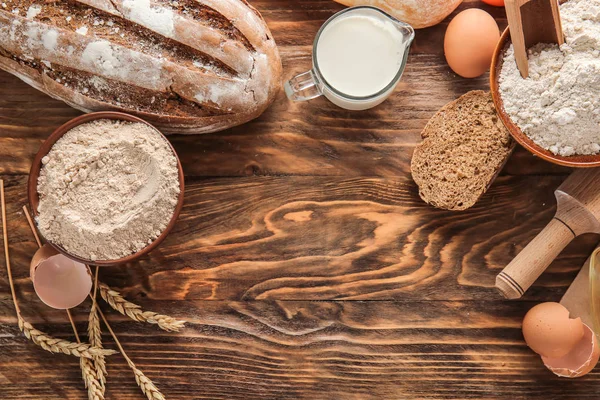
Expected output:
{"points": [[304, 260]]}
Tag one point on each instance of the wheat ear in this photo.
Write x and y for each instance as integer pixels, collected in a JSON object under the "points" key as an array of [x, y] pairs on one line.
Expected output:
{"points": [[145, 384], [135, 312], [88, 372], [41, 339], [54, 345], [95, 391], [95, 335]]}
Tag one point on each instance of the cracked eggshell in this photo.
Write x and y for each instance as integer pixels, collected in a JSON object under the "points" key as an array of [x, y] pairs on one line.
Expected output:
{"points": [[550, 332], [43, 253], [58, 281], [580, 360]]}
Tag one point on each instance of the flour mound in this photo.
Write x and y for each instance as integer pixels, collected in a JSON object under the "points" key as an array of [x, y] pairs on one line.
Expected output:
{"points": [[107, 189], [558, 105]]}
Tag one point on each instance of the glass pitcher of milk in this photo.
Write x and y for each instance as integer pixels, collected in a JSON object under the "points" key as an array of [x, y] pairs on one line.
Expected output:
{"points": [[359, 55]]}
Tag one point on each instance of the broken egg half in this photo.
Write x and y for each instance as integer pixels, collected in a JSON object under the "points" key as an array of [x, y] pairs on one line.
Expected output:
{"points": [[568, 347], [58, 281]]}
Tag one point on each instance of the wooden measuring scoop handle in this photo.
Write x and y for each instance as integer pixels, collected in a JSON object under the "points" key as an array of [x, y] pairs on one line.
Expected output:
{"points": [[532, 22], [526, 267]]}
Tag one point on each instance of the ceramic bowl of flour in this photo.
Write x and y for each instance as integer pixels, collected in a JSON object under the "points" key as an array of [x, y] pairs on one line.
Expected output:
{"points": [[73, 220], [576, 161]]}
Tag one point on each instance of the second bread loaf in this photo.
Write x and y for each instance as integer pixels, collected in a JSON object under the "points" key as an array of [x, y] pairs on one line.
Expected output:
{"points": [[418, 13]]}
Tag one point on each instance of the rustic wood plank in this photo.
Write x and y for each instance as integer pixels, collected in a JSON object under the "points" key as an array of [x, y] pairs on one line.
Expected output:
{"points": [[307, 203], [323, 238], [305, 350], [314, 138]]}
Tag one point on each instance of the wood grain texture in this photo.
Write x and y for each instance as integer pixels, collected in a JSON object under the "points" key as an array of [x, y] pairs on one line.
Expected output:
{"points": [[323, 238], [310, 350], [305, 261]]}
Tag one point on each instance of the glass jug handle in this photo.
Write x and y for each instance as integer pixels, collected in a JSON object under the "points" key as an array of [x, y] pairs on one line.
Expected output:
{"points": [[303, 87]]}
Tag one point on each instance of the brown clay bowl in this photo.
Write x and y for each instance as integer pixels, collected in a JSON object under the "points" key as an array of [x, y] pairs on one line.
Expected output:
{"points": [[37, 166], [515, 131]]}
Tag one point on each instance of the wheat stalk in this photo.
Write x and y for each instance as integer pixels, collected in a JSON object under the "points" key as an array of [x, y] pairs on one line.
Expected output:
{"points": [[135, 312], [148, 388], [54, 345], [92, 370], [145, 384], [95, 391], [95, 336], [94, 332], [92, 384]]}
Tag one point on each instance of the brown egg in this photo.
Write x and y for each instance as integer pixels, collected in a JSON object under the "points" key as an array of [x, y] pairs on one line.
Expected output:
{"points": [[550, 332], [470, 41], [582, 358], [59, 281]]}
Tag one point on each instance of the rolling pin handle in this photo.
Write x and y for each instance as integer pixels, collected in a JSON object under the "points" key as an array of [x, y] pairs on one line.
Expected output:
{"points": [[530, 263]]}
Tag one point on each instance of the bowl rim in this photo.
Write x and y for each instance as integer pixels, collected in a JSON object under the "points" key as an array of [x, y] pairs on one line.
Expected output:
{"points": [[578, 161], [36, 167]]}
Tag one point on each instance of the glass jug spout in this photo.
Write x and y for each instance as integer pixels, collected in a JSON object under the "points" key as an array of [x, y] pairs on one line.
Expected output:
{"points": [[407, 31]]}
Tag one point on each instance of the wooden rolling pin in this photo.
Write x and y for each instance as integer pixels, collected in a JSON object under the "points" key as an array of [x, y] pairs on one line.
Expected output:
{"points": [[578, 212], [532, 22]]}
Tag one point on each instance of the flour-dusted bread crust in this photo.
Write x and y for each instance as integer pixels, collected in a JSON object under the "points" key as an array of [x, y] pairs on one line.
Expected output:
{"points": [[418, 13], [465, 145], [187, 66]]}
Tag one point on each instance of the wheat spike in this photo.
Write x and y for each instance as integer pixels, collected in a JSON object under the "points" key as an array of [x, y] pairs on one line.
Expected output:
{"points": [[95, 336], [147, 386], [135, 312], [54, 345], [95, 390]]}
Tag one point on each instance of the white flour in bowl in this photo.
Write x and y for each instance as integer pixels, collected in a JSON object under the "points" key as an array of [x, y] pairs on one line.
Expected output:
{"points": [[107, 189], [558, 105]]}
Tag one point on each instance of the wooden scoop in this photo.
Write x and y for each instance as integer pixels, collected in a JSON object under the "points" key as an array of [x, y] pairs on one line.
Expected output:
{"points": [[578, 212], [532, 22]]}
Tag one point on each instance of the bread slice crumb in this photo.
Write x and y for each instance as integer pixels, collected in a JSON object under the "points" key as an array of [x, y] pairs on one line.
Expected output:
{"points": [[465, 145]]}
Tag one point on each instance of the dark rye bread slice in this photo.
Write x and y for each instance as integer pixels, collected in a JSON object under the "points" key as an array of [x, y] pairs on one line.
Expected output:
{"points": [[464, 147]]}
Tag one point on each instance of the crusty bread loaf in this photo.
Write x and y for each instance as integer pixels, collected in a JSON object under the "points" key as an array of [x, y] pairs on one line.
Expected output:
{"points": [[188, 66], [465, 145], [418, 13]]}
